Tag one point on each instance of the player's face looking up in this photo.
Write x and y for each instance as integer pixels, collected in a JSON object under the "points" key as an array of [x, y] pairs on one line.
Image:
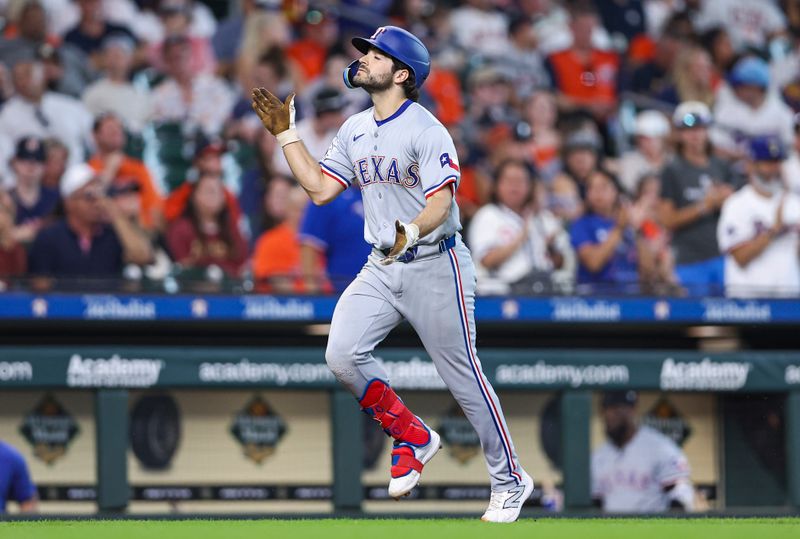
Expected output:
{"points": [[376, 72], [620, 423]]}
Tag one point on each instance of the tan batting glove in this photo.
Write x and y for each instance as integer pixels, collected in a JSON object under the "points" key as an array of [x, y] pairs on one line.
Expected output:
{"points": [[406, 237], [277, 117]]}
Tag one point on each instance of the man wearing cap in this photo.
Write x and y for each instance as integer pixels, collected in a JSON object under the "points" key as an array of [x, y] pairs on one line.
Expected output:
{"points": [[92, 240], [317, 130], [747, 107], [759, 228], [638, 469], [694, 184], [650, 155], [34, 202]]}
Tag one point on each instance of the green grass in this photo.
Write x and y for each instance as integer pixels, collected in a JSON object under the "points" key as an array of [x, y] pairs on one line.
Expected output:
{"points": [[407, 529]]}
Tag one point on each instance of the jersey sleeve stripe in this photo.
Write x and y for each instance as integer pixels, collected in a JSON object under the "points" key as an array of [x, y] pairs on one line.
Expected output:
{"points": [[328, 171], [450, 180]]}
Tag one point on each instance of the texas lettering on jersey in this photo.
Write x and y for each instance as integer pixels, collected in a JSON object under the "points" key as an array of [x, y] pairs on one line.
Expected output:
{"points": [[374, 169]]}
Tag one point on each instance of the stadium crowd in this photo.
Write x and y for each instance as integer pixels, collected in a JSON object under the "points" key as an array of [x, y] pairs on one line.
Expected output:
{"points": [[636, 146]]}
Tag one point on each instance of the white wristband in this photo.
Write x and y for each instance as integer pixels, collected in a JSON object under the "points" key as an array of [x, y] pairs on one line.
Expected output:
{"points": [[287, 137]]}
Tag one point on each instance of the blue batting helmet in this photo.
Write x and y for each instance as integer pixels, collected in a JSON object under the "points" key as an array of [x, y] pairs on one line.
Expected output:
{"points": [[401, 45]]}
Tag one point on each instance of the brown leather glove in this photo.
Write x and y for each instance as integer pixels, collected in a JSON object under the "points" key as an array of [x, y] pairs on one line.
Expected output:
{"points": [[277, 117]]}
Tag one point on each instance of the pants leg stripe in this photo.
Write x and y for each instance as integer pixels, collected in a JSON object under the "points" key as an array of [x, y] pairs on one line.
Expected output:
{"points": [[462, 313]]}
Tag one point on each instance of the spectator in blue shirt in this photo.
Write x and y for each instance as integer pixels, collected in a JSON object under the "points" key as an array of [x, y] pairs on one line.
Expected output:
{"points": [[605, 237], [335, 231], [34, 202], [15, 480]]}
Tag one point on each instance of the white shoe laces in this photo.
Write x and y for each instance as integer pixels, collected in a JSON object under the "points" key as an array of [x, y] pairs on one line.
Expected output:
{"points": [[496, 501]]}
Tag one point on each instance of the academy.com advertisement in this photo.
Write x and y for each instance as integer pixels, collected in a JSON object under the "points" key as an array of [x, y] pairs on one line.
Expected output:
{"points": [[142, 367]]}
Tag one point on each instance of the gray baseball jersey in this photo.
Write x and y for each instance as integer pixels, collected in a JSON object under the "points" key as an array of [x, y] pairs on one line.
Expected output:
{"points": [[632, 479], [399, 162]]}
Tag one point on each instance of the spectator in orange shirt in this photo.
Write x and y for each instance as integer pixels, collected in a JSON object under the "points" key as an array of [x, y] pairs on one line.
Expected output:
{"points": [[444, 88], [585, 77], [206, 235], [309, 53], [116, 168], [276, 259]]}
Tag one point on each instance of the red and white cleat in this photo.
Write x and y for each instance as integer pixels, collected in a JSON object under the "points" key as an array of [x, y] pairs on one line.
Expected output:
{"points": [[407, 463]]}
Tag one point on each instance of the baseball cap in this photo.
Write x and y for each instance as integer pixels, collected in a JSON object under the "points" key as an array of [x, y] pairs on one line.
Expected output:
{"points": [[615, 398], [751, 71], [30, 149], [651, 123], [766, 148], [692, 114], [76, 177], [328, 100], [583, 139]]}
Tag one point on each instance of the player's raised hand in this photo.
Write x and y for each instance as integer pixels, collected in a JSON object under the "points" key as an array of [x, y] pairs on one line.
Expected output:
{"points": [[406, 237], [276, 116]]}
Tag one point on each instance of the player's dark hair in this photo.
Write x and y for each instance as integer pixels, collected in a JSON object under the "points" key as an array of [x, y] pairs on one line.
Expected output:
{"points": [[410, 84]]}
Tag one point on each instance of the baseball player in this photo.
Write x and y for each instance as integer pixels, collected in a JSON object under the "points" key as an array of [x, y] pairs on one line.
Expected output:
{"points": [[638, 470], [419, 268]]}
